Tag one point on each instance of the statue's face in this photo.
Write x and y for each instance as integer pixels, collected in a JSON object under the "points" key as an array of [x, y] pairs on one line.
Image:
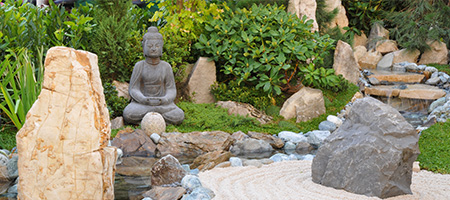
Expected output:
{"points": [[153, 48]]}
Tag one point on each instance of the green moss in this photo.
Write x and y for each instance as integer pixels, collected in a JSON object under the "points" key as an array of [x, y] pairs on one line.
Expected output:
{"points": [[434, 144], [7, 137]]}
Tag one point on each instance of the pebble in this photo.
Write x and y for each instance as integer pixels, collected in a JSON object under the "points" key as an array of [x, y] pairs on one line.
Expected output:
{"points": [[292, 137], [236, 162], [336, 120], [190, 182], [155, 137], [327, 126], [279, 157]]}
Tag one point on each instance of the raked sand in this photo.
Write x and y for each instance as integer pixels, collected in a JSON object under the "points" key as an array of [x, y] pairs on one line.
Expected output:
{"points": [[292, 180]]}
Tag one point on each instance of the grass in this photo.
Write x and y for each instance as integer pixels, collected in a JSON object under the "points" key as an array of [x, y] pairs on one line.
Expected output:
{"points": [[434, 144], [7, 136], [441, 68], [208, 117]]}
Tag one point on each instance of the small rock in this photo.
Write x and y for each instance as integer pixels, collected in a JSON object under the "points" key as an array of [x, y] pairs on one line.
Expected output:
{"points": [[327, 126], [399, 67], [303, 147], [316, 138], [289, 146], [439, 102], [421, 67], [194, 171], [167, 171], [411, 67], [239, 136], [153, 122], [210, 160], [119, 156], [416, 167], [236, 162], [374, 81], [155, 138], [444, 79], [200, 193], [292, 137], [186, 168], [158, 193], [11, 165], [251, 145], [431, 69], [433, 81], [3, 159], [336, 120], [190, 182], [117, 123], [386, 62], [279, 157], [147, 198], [274, 141], [13, 189]]}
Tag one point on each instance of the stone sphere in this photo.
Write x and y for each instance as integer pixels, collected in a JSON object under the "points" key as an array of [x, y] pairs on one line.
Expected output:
{"points": [[153, 123]]}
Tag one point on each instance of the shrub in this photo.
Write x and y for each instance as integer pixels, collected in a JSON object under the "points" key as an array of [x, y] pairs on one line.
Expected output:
{"points": [[181, 23], [114, 39], [266, 47], [418, 22], [361, 13], [235, 92], [115, 104]]}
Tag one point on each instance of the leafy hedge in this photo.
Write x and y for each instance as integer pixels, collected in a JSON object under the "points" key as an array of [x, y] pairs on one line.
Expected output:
{"points": [[266, 47]]}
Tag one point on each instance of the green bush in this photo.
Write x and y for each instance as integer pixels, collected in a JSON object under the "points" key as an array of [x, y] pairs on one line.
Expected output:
{"points": [[181, 25], [361, 13], [115, 39], [266, 47], [25, 25], [418, 22], [434, 144], [235, 4], [115, 104]]}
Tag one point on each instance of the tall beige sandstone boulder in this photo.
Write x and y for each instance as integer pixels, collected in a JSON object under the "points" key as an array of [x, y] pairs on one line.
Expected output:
{"points": [[345, 62], [201, 78], [63, 152], [305, 104], [437, 54], [304, 7], [341, 19]]}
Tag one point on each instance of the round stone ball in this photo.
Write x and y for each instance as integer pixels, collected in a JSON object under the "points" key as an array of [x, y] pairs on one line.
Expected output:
{"points": [[153, 123]]}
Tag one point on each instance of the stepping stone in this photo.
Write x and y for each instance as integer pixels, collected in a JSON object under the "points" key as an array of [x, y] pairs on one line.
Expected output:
{"points": [[412, 91], [403, 77]]}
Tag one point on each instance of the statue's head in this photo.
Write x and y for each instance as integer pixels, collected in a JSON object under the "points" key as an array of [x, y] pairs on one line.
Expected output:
{"points": [[153, 43]]}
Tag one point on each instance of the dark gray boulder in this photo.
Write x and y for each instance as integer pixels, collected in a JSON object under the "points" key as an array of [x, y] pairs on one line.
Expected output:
{"points": [[372, 153]]}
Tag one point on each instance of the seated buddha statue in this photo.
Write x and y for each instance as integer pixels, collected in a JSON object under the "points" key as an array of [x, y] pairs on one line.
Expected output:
{"points": [[152, 84]]}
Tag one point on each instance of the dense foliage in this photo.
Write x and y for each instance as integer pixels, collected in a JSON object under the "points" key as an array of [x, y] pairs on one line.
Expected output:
{"points": [[181, 23], [20, 84], [113, 39], [434, 144], [268, 48], [419, 22]]}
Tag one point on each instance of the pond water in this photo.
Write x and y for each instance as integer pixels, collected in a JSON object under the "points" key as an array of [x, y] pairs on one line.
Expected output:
{"points": [[131, 187]]}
